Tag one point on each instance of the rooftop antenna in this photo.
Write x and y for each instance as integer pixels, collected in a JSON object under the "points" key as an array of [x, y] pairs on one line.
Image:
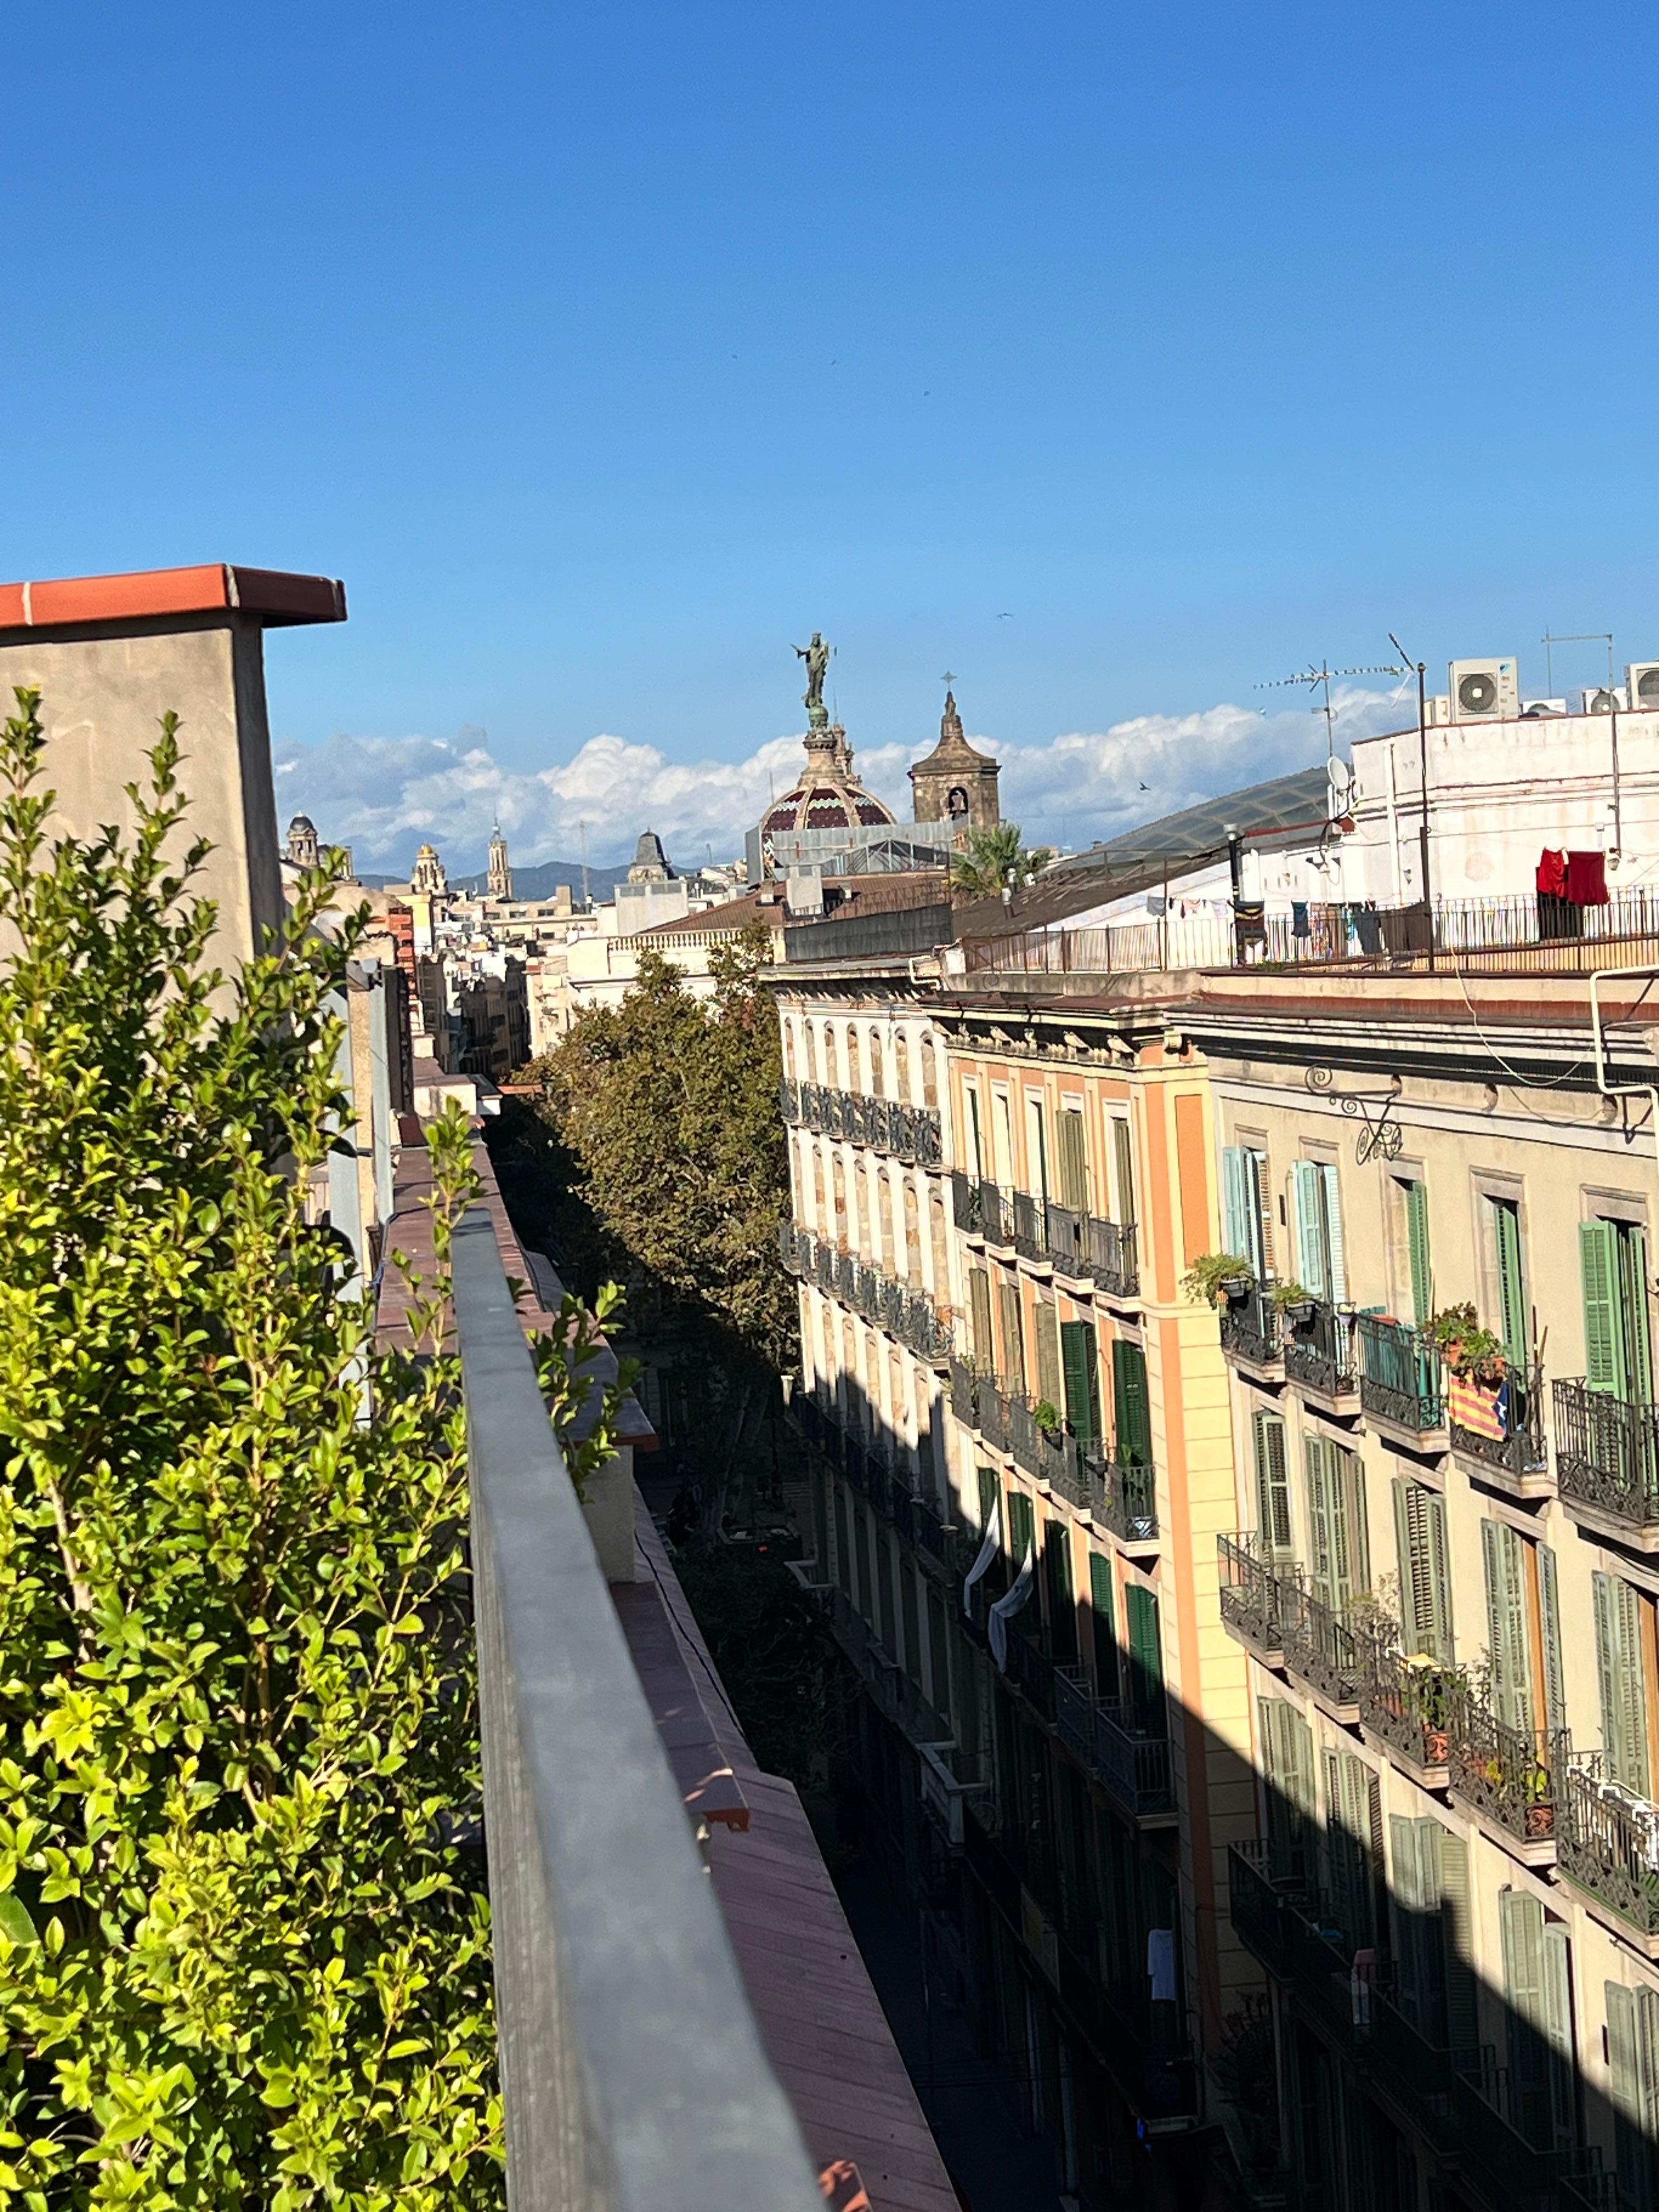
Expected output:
{"points": [[583, 827], [1574, 637], [1423, 782], [1314, 677]]}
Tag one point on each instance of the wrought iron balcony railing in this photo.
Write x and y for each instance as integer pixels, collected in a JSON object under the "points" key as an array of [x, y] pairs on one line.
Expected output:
{"points": [[1510, 1774], [1511, 1431], [1131, 1762], [1030, 1226], [1251, 1598], [1112, 1257], [964, 1203], [886, 1125], [1251, 1328], [904, 1310], [632, 2068], [1320, 1352], [1401, 1377], [996, 1215], [1607, 1843], [1408, 1704], [789, 1247], [1606, 1454], [1325, 1650]]}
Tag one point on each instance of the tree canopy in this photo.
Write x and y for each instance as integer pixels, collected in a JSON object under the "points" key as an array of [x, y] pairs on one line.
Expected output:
{"points": [[995, 858]]}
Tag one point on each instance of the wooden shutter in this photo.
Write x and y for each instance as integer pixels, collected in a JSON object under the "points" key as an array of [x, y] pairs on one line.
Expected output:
{"points": [[1456, 1929], [1013, 1365], [979, 1305], [1134, 1423], [1322, 1566], [1021, 1525], [1102, 1615], [1416, 1920], [1521, 1926], [1336, 1508], [1310, 1241], [1417, 1252], [1504, 1556], [1353, 1526], [1557, 2025], [1122, 1160], [1419, 1523], [1637, 1334], [1235, 1203], [1604, 1335], [1511, 1293], [1079, 1360], [1287, 1747], [1049, 1385], [1073, 1161], [1146, 1658], [1549, 1624], [1331, 1193], [1619, 1673], [990, 1495], [1272, 1485], [1062, 1603], [1261, 1202]]}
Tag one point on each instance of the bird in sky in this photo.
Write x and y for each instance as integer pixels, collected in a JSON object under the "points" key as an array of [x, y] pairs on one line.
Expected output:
{"points": [[1007, 617], [1145, 787]]}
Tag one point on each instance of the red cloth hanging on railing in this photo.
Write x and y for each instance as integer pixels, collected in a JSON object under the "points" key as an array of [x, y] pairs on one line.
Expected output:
{"points": [[1553, 873], [1587, 879]]}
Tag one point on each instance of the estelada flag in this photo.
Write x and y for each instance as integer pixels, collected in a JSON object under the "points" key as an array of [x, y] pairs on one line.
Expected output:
{"points": [[1481, 1408]]}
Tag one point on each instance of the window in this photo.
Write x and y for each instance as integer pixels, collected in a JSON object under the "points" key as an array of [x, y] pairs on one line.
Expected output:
{"points": [[1273, 1487], [975, 1138], [1245, 1199], [990, 1494], [1622, 1632], [1634, 2057], [1002, 1130], [979, 1309], [1036, 1146], [1070, 1163], [884, 1592], [1523, 1635], [1132, 1411], [1103, 1623], [1080, 1362], [1062, 1604], [1613, 1264], [1419, 1527], [1013, 1336], [1501, 1228], [1049, 1386], [909, 1615], [1022, 1527], [1432, 1931], [1121, 1162], [843, 1548], [1414, 1201], [1337, 1522], [1538, 1993], [1288, 1759], [1145, 1656], [1353, 1843], [1321, 1265]]}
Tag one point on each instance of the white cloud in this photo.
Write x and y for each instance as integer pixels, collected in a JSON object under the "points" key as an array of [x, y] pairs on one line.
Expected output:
{"points": [[382, 796]]}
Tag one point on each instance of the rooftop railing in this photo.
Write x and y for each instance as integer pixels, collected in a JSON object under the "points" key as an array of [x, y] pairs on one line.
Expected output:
{"points": [[632, 2071]]}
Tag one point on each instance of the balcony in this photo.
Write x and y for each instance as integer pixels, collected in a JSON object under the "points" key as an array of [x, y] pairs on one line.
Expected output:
{"points": [[1320, 1358], [1112, 1258], [1252, 1336], [885, 1125], [1401, 1384], [964, 1394], [1031, 1228], [996, 1216], [964, 1204], [1507, 1778], [1497, 1431], [1323, 1651], [789, 1247], [1250, 1602], [1607, 1463], [904, 1311], [1131, 1765], [632, 2067], [1406, 1707], [1608, 1847]]}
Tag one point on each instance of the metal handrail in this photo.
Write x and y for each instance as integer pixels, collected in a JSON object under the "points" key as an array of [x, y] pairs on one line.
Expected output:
{"points": [[1401, 1373], [1319, 1352], [1606, 1845], [1606, 1452], [632, 2070]]}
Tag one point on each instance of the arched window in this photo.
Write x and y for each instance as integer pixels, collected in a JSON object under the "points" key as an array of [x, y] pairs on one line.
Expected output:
{"points": [[876, 1087], [789, 1049], [854, 1080], [910, 1259], [956, 804], [929, 1073], [902, 1069]]}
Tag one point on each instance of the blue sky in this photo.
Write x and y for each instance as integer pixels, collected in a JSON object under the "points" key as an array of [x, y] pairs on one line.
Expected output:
{"points": [[1115, 359]]}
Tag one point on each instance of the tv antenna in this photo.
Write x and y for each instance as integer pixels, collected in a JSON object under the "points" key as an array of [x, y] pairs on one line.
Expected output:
{"points": [[1574, 637], [582, 828], [1315, 678]]}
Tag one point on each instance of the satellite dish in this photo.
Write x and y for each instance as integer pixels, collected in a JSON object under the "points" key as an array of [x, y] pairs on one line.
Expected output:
{"points": [[1339, 776]]}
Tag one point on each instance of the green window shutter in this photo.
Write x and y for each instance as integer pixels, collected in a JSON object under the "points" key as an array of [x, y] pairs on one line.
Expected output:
{"points": [[1146, 1658], [990, 1494], [1331, 1193], [1411, 1550], [1456, 1928], [1322, 1569], [1309, 1238], [1021, 1527], [1235, 1203], [1062, 1603], [1521, 1926], [1134, 1424], [1013, 1364], [1440, 1576], [1348, 1473], [1102, 1614], [1272, 1485], [1619, 1674], [1299, 1744], [1623, 2055], [1638, 1336], [1417, 1247], [979, 1301], [1049, 1385], [1511, 1290], [1072, 1161], [1549, 1615], [1557, 2026], [1122, 1160], [1604, 1335], [1504, 1558], [1336, 1516], [1080, 1361]]}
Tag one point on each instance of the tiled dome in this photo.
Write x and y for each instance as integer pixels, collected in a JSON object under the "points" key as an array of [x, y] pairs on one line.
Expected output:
{"points": [[829, 796]]}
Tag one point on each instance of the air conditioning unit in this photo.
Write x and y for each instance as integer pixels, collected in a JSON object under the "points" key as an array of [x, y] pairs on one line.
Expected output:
{"points": [[1534, 709], [1438, 710], [1642, 684], [1602, 698], [1485, 690]]}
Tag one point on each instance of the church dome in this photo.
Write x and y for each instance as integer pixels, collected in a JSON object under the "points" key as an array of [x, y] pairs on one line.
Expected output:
{"points": [[828, 795], [303, 824]]}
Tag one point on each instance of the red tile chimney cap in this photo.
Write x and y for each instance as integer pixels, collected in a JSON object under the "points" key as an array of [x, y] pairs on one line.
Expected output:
{"points": [[267, 594]]}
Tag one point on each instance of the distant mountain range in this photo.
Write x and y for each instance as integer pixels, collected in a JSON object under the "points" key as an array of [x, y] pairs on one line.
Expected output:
{"points": [[538, 883]]}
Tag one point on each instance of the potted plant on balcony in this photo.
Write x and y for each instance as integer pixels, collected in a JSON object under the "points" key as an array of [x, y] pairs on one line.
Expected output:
{"points": [[1472, 1353], [1216, 1275], [1047, 1416], [1295, 1301]]}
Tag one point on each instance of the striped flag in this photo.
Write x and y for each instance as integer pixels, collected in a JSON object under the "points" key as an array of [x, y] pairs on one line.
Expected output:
{"points": [[1481, 1408]]}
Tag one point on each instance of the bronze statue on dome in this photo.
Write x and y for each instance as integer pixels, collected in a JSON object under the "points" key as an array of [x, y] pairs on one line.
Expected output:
{"points": [[816, 657]]}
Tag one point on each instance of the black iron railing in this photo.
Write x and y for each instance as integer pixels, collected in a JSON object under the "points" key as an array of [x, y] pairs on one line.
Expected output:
{"points": [[904, 1310], [1251, 1602], [964, 1203], [1607, 1843], [1319, 1351], [1112, 1257], [1409, 1702], [1509, 1774], [1607, 1453], [1401, 1376], [1511, 1412], [1030, 1226], [996, 1215], [886, 1125], [1251, 1328], [1324, 1650]]}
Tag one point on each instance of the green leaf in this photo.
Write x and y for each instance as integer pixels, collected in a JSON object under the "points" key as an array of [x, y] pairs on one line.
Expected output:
{"points": [[15, 1926]]}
